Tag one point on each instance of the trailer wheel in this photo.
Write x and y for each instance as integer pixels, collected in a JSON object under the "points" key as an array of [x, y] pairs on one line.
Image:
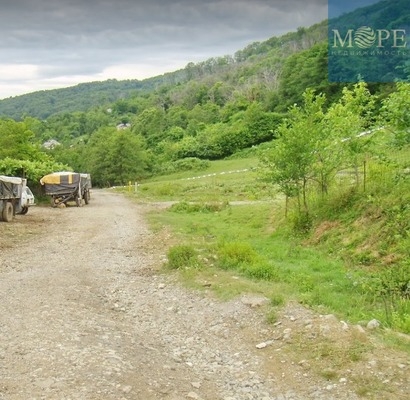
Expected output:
{"points": [[8, 212], [86, 197]]}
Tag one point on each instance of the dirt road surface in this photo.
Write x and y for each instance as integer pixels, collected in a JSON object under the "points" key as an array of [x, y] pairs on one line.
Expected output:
{"points": [[86, 314]]}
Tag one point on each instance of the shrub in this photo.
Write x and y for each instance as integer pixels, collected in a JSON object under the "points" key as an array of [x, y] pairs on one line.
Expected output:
{"points": [[261, 271], [301, 223], [184, 164], [233, 255], [182, 256], [392, 285], [185, 207]]}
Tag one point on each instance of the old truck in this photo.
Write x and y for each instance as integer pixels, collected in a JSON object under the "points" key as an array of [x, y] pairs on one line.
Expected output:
{"points": [[64, 187], [15, 197]]}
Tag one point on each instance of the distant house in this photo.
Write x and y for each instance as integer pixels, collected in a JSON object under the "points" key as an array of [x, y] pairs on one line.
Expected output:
{"points": [[123, 126], [50, 144]]}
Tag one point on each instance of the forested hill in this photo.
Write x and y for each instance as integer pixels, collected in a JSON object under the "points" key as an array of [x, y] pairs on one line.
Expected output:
{"points": [[259, 61], [82, 97]]}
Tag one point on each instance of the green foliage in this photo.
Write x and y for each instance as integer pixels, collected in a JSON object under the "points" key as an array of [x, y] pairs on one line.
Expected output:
{"points": [[302, 70], [21, 156], [392, 287], [183, 164], [116, 157], [301, 222], [150, 124], [290, 162], [185, 207], [235, 255], [252, 242], [208, 110], [17, 141], [395, 112], [314, 144], [33, 171], [82, 97], [261, 270], [182, 256]]}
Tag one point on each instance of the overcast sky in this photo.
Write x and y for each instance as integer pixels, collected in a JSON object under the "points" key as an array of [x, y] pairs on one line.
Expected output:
{"points": [[47, 44]]}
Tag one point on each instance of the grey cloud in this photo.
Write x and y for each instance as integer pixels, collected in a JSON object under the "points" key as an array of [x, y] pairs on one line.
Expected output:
{"points": [[50, 23], [78, 37]]}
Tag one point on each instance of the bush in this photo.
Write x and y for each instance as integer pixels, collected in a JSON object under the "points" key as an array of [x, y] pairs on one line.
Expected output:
{"points": [[261, 271], [301, 223], [234, 255], [185, 207], [392, 285], [182, 256], [184, 164]]}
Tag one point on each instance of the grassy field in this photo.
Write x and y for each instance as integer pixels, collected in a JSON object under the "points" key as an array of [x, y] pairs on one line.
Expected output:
{"points": [[224, 180]]}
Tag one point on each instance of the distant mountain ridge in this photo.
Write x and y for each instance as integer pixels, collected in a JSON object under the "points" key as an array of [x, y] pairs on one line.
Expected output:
{"points": [[42, 104]]}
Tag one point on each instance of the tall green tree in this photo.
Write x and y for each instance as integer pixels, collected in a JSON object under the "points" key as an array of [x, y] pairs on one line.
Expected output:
{"points": [[116, 157], [128, 158], [17, 141], [395, 113], [290, 162]]}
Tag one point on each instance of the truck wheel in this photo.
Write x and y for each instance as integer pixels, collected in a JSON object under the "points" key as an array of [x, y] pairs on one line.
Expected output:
{"points": [[8, 212]]}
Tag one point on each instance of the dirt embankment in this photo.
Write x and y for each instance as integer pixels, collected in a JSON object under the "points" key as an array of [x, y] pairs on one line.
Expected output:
{"points": [[86, 314]]}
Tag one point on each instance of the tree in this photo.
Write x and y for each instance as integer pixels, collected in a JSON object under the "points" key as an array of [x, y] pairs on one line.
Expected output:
{"points": [[116, 157], [128, 158], [355, 114], [150, 123], [395, 113], [290, 163], [17, 141], [304, 69], [259, 124]]}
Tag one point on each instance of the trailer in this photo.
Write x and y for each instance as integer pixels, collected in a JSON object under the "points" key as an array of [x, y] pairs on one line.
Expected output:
{"points": [[15, 197], [64, 187]]}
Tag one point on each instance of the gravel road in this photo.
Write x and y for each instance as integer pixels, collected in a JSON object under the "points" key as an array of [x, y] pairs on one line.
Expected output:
{"points": [[86, 314]]}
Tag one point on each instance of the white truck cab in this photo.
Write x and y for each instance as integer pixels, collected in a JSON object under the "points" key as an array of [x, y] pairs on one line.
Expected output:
{"points": [[15, 197]]}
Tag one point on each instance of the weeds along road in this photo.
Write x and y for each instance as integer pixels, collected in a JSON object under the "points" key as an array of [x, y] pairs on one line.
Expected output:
{"points": [[86, 314]]}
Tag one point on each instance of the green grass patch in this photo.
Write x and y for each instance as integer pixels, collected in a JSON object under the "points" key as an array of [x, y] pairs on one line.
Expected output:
{"points": [[227, 180], [242, 240], [182, 256]]}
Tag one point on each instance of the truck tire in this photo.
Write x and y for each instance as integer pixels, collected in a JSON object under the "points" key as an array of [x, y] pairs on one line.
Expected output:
{"points": [[8, 212]]}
